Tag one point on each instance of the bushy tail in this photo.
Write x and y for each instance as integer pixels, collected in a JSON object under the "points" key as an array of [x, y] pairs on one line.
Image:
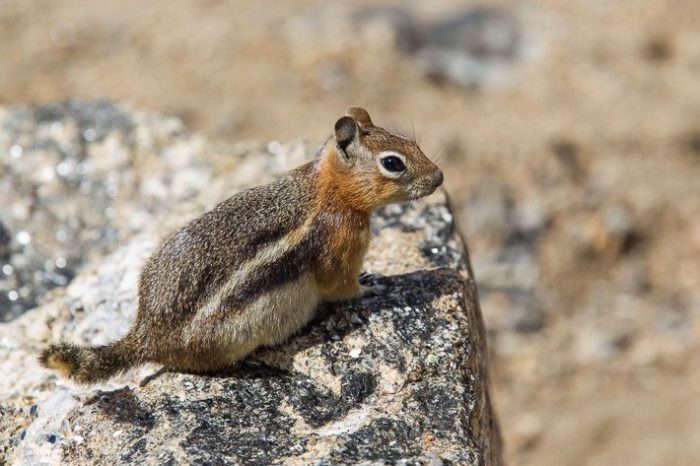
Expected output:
{"points": [[88, 364]]}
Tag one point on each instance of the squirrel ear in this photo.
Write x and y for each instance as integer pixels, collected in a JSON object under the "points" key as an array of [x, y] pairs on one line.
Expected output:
{"points": [[360, 115], [345, 133]]}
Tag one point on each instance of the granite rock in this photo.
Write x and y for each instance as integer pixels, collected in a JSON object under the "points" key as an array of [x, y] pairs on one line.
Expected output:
{"points": [[77, 179], [396, 378]]}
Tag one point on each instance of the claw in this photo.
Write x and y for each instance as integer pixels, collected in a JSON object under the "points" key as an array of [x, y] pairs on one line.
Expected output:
{"points": [[368, 279], [370, 285], [372, 291]]}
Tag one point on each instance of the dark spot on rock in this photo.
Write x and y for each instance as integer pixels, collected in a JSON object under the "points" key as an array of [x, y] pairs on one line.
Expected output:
{"points": [[568, 154], [385, 439], [693, 143], [124, 407], [410, 329], [439, 227], [247, 370], [355, 386], [101, 116], [8, 307], [254, 441], [135, 452], [51, 438], [391, 216], [34, 410], [4, 242], [317, 406], [439, 254], [167, 459], [406, 228], [75, 453], [518, 244], [439, 406], [243, 426], [48, 113], [524, 313], [328, 352], [439, 223], [390, 356], [413, 320], [658, 49], [630, 241]]}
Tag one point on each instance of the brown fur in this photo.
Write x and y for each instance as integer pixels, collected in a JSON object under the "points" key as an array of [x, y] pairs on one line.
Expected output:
{"points": [[90, 364], [251, 271]]}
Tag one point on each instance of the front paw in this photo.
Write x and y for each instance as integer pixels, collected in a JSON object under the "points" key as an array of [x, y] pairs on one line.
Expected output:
{"points": [[369, 279], [370, 285]]}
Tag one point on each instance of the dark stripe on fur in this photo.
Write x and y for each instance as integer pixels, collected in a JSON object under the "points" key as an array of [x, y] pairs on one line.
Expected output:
{"points": [[192, 264], [267, 277]]}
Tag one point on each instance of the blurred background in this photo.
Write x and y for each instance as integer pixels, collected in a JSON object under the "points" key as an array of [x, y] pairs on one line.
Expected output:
{"points": [[570, 137]]}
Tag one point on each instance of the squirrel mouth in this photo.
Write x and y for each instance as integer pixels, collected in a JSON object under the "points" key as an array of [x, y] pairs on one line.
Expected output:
{"points": [[422, 191], [426, 185]]}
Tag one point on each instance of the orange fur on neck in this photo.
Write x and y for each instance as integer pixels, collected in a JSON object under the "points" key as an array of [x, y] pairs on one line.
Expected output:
{"points": [[345, 204], [344, 188]]}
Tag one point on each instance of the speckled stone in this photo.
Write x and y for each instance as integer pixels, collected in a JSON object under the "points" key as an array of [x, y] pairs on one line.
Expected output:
{"points": [[394, 378], [77, 178]]}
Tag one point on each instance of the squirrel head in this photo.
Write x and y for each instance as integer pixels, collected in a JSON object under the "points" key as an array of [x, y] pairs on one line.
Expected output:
{"points": [[374, 167]]}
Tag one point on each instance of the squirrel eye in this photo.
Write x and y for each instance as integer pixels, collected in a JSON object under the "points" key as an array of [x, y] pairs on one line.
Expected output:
{"points": [[393, 164]]}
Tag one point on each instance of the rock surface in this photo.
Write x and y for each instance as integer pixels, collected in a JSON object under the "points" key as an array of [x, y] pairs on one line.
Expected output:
{"points": [[77, 179], [400, 377]]}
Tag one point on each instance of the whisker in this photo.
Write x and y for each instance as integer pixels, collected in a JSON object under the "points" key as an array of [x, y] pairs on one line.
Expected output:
{"points": [[413, 127], [415, 138], [437, 154]]}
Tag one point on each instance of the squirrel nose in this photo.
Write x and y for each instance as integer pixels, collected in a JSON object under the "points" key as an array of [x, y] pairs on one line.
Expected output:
{"points": [[438, 178]]}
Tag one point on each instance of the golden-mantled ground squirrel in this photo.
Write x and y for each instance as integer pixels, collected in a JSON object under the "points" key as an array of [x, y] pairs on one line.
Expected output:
{"points": [[252, 271]]}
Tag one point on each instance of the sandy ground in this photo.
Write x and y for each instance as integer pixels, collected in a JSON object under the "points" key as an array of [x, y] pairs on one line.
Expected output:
{"points": [[591, 137]]}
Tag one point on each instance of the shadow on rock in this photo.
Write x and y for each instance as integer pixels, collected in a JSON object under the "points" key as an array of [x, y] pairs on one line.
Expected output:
{"points": [[402, 298]]}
